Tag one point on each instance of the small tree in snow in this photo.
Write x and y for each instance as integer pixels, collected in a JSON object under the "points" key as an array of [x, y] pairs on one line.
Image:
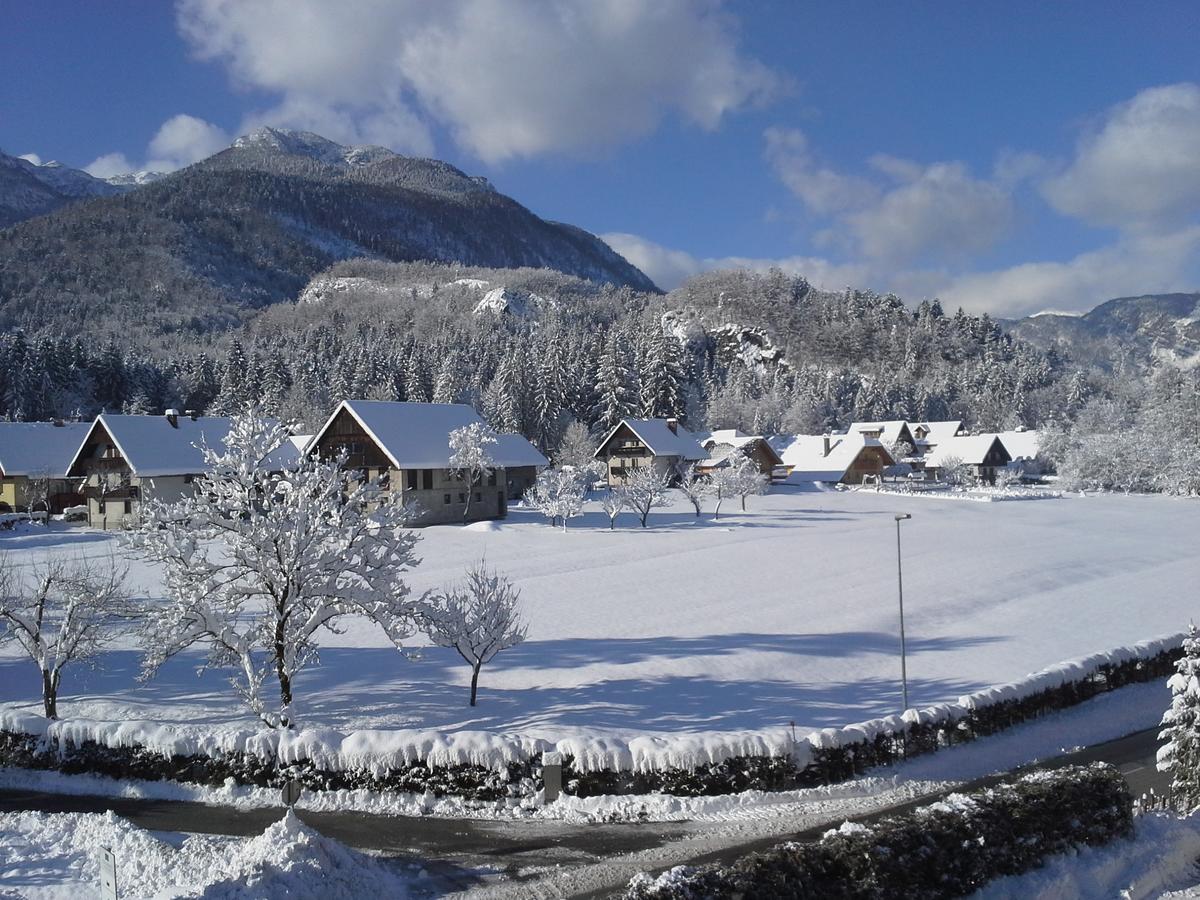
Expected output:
{"points": [[695, 487], [67, 611], [478, 618], [557, 494], [724, 482], [259, 562], [612, 503], [1180, 755], [747, 480], [643, 491], [470, 457], [577, 449], [955, 472]]}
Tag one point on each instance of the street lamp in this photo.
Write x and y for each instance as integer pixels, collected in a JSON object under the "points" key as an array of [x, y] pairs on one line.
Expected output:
{"points": [[900, 517]]}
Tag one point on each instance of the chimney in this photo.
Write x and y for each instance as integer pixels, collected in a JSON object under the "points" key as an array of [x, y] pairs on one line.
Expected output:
{"points": [[825, 438], [673, 424], [172, 417], [58, 423], [191, 414]]}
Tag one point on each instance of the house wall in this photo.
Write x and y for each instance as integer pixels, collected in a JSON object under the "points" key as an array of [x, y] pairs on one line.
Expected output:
{"points": [[519, 479], [870, 461]]}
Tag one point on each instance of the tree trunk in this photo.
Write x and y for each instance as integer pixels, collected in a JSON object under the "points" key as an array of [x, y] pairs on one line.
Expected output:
{"points": [[475, 681], [285, 680], [612, 523], [717, 511], [743, 502], [50, 693], [470, 494], [645, 515]]}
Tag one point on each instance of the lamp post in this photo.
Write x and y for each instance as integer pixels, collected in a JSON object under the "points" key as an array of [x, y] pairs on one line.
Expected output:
{"points": [[900, 517]]}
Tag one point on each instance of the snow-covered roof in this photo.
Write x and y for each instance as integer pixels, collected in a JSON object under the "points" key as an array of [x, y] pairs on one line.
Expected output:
{"points": [[153, 447], [1021, 444], [969, 448], [288, 454], [660, 439], [889, 431], [720, 445], [38, 448], [512, 450], [938, 431], [805, 454], [417, 435]]}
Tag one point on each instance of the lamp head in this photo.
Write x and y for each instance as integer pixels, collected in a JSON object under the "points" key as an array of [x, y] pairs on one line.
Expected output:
{"points": [[900, 517]]}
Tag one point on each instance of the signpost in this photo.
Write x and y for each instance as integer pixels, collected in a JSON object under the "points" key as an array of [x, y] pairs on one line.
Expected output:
{"points": [[290, 792], [108, 874]]}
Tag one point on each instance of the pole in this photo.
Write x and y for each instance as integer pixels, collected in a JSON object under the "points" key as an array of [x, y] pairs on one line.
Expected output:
{"points": [[900, 588]]}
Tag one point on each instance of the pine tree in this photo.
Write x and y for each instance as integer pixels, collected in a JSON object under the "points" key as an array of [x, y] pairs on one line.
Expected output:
{"points": [[1180, 755], [614, 397]]}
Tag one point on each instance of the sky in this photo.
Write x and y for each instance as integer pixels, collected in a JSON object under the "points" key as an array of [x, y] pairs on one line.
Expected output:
{"points": [[1005, 157]]}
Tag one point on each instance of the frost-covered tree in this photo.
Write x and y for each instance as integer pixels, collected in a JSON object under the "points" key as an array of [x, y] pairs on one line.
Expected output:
{"points": [[64, 611], [954, 471], [747, 480], [577, 449], [613, 502], [1180, 754], [259, 561], [558, 494], [693, 486], [478, 618], [643, 491], [724, 482], [471, 457], [615, 394]]}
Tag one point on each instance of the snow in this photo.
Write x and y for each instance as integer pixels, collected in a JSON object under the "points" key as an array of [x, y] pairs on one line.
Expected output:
{"points": [[33, 448], [48, 856], [1021, 444], [154, 448], [969, 449], [689, 639], [512, 450], [806, 457]]}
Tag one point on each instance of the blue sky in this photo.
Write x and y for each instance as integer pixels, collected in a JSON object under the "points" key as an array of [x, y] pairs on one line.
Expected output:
{"points": [[1006, 157]]}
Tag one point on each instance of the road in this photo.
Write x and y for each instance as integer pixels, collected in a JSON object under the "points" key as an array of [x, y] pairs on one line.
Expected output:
{"points": [[535, 858]]}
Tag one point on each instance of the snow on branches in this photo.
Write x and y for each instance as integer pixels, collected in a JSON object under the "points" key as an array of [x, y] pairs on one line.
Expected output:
{"points": [[258, 561], [65, 611], [644, 490], [1180, 755], [559, 494], [478, 618], [470, 456]]}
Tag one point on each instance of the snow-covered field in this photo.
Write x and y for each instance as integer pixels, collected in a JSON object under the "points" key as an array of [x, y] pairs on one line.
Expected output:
{"points": [[784, 613]]}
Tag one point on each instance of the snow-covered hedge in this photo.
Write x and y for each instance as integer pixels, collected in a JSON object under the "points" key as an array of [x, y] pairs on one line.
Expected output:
{"points": [[948, 849], [491, 766]]}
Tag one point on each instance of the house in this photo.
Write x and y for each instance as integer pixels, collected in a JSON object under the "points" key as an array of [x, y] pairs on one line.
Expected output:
{"points": [[720, 447], [408, 446], [662, 444], [834, 458], [34, 457], [127, 460], [983, 454]]}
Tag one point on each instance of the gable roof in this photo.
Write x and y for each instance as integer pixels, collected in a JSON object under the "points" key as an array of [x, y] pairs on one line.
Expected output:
{"points": [[805, 454], [1021, 444], [889, 431], [939, 431], [152, 447], [417, 435], [660, 439], [969, 448], [720, 445], [39, 448]]}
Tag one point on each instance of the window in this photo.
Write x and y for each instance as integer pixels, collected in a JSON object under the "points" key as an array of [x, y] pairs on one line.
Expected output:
{"points": [[187, 479], [427, 481], [447, 498], [101, 507], [492, 479], [462, 498], [410, 479], [478, 497], [128, 507]]}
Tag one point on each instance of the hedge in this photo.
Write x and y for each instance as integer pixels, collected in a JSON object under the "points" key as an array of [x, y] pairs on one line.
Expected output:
{"points": [[948, 849]]}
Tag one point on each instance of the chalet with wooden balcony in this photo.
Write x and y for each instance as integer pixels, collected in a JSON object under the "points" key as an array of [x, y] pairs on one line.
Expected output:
{"points": [[407, 446], [662, 444]]}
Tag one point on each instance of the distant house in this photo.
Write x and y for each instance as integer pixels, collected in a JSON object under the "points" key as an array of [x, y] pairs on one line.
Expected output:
{"points": [[724, 445], [34, 458], [887, 433], [662, 444], [408, 444], [983, 454], [833, 458], [126, 460]]}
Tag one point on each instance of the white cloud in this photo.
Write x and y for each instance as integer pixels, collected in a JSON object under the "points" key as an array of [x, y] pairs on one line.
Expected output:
{"points": [[31, 157], [669, 268], [179, 141], [939, 211], [110, 164], [508, 78], [1139, 167]]}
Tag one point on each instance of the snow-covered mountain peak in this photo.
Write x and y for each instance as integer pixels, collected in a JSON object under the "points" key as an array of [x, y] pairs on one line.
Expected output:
{"points": [[314, 146]]}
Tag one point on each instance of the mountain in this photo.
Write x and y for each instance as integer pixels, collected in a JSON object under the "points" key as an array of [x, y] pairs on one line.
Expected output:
{"points": [[203, 247], [28, 189], [1137, 330]]}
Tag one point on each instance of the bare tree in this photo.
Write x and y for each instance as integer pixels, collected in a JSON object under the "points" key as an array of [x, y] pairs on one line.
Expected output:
{"points": [[747, 479], [612, 503], [578, 447], [724, 483], [558, 494], [644, 490], [470, 456], [37, 496], [68, 611], [954, 471], [478, 618], [695, 487], [259, 561]]}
